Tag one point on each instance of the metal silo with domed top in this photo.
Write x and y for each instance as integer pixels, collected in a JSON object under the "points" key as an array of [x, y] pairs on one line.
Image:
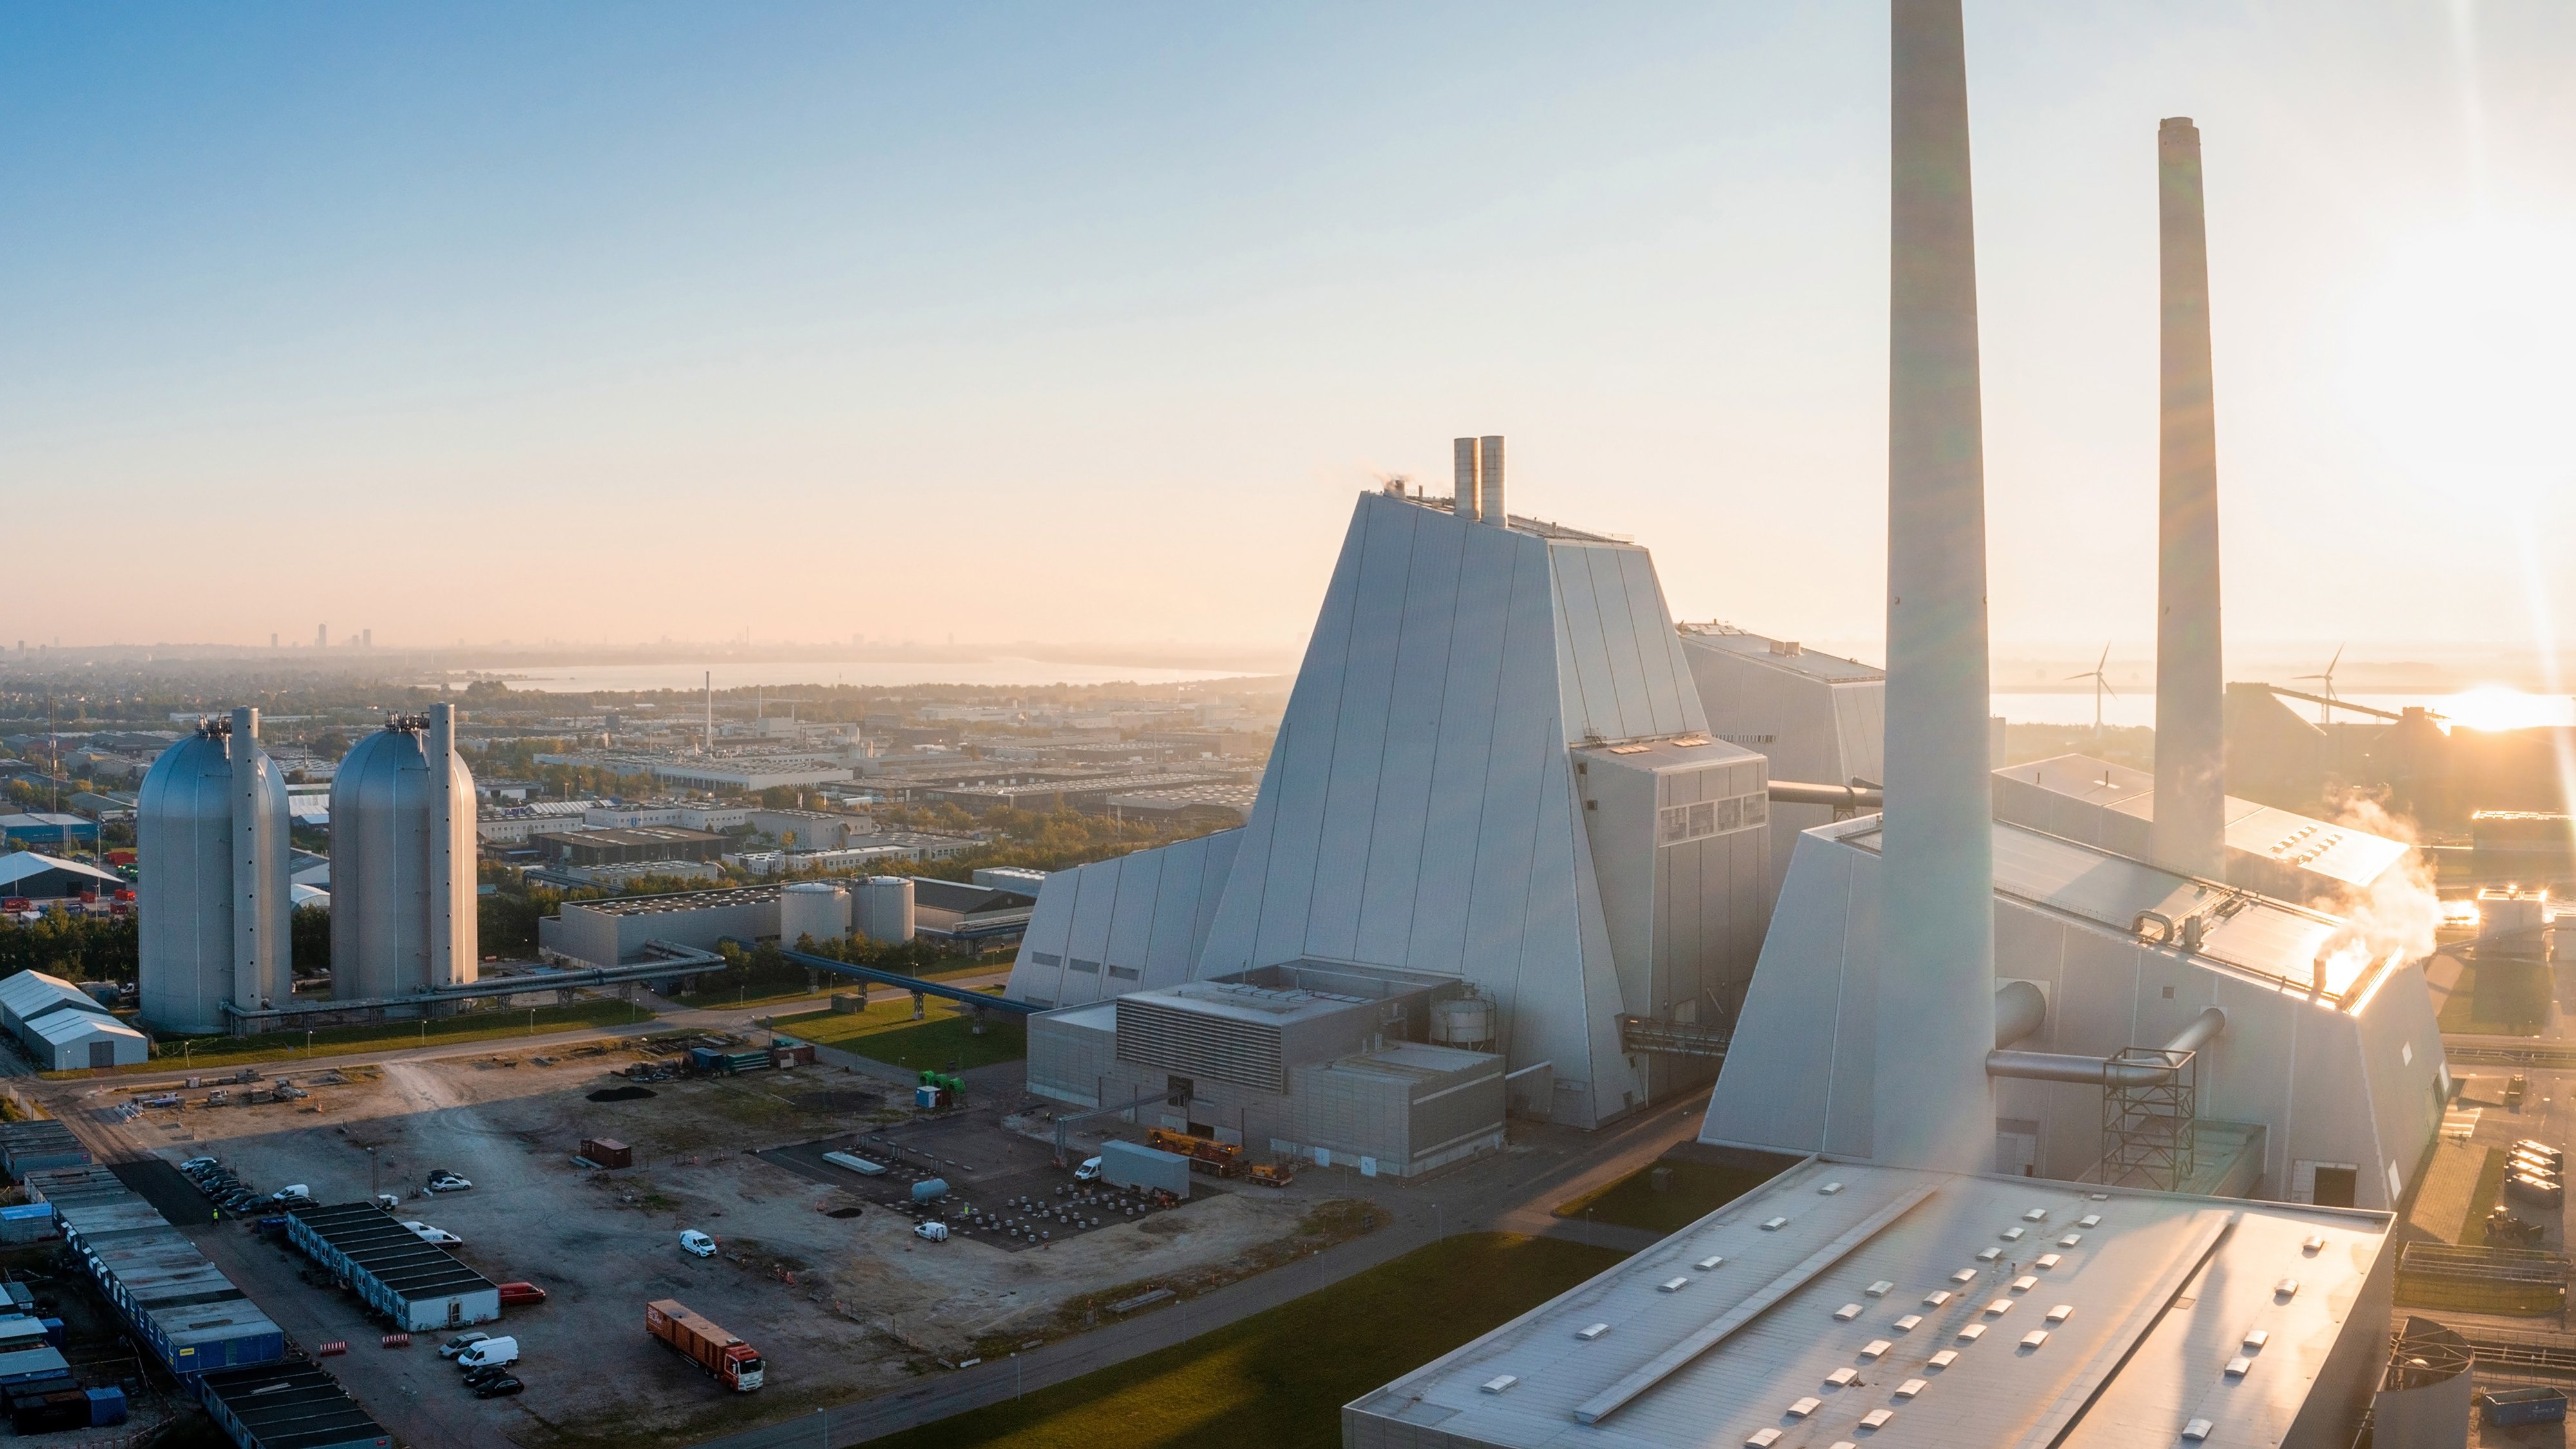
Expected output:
{"points": [[215, 898], [402, 861]]}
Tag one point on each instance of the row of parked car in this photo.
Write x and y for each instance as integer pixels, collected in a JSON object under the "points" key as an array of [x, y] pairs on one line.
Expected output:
{"points": [[486, 1362], [232, 1193]]}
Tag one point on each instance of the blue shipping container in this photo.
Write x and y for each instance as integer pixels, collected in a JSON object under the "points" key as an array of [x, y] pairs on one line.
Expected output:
{"points": [[106, 1406], [2524, 1406]]}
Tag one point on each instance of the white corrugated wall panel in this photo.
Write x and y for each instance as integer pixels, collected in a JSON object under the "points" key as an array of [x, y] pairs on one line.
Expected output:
{"points": [[1131, 916], [1049, 923], [1413, 733], [1589, 700], [1469, 719], [1359, 743], [1622, 650], [1784, 1067]]}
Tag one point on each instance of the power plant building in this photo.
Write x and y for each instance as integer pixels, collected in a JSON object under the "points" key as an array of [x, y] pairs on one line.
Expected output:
{"points": [[1818, 718], [215, 902], [1494, 768], [1937, 990]]}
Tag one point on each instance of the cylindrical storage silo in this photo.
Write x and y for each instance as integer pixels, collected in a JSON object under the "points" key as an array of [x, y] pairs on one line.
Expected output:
{"points": [[215, 898], [1466, 1021], [814, 910], [402, 864], [884, 908]]}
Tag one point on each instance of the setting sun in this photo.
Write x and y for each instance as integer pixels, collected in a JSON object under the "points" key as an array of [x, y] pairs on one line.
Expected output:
{"points": [[2496, 707]]}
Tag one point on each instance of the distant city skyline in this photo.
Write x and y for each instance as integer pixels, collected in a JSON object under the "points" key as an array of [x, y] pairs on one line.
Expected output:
{"points": [[1083, 328]]}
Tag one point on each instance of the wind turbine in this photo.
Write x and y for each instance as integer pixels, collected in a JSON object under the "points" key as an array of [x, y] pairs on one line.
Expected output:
{"points": [[2101, 685], [2325, 711]]}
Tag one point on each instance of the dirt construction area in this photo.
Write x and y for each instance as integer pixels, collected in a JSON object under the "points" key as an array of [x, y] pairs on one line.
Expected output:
{"points": [[839, 1304]]}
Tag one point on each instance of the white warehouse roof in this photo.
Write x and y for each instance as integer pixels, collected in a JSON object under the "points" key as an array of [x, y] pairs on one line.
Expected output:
{"points": [[1851, 1302]]}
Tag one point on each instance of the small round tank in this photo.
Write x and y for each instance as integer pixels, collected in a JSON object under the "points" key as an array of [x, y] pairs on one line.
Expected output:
{"points": [[1466, 1021], [884, 908], [813, 909], [402, 855], [214, 899]]}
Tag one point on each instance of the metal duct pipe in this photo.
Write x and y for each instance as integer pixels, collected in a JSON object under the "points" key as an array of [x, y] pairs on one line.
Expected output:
{"points": [[1841, 797], [2102, 1071], [1937, 857], [2189, 833], [2020, 1008]]}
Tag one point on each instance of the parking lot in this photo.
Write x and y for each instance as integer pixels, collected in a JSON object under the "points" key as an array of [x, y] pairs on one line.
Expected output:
{"points": [[839, 1303]]}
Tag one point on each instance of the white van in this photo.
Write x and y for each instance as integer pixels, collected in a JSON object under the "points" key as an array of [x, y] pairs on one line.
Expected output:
{"points": [[1089, 1171], [490, 1353]]}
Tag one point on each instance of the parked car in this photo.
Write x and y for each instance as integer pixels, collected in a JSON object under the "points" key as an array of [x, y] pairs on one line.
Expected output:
{"points": [[697, 1244], [302, 1190], [440, 1236], [490, 1353], [460, 1343], [1089, 1171], [520, 1295], [195, 1165], [497, 1386], [488, 1371], [935, 1232], [387, 1201], [444, 1181]]}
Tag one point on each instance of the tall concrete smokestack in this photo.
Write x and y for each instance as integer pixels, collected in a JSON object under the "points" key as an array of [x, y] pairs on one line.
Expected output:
{"points": [[1464, 490], [1489, 482], [1933, 1106], [2191, 727]]}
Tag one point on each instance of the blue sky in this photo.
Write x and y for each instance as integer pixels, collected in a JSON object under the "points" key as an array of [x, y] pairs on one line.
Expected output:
{"points": [[1082, 324]]}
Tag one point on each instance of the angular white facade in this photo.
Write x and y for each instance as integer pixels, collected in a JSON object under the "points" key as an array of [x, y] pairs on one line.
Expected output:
{"points": [[2344, 1074], [1421, 806], [1818, 718]]}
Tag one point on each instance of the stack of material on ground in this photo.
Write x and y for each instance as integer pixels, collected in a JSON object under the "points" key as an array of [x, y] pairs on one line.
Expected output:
{"points": [[27, 1147], [724, 1063], [66, 1408], [418, 1285], [180, 1307], [64, 1027], [291, 1404]]}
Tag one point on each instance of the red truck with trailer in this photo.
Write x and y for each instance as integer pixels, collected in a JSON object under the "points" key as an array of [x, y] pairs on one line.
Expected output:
{"points": [[727, 1359]]}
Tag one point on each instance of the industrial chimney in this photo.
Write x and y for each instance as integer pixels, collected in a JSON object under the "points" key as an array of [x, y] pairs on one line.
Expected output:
{"points": [[1933, 1105], [1463, 490], [1489, 482], [2190, 831]]}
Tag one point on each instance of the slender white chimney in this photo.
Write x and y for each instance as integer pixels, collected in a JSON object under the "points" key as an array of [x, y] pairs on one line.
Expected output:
{"points": [[1933, 1106], [2191, 727], [1464, 489], [250, 950], [453, 899], [1489, 482]]}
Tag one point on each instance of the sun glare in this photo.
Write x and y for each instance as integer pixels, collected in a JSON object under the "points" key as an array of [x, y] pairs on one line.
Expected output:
{"points": [[2495, 707], [2463, 355]]}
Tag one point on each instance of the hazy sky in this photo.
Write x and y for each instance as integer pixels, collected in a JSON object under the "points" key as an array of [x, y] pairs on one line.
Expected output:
{"points": [[1084, 323]]}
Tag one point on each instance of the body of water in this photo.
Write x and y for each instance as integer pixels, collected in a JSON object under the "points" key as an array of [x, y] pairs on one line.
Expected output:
{"points": [[2476, 708], [1007, 673]]}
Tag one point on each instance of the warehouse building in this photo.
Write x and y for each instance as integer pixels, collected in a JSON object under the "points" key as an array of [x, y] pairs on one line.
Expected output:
{"points": [[1314, 1060], [40, 877], [178, 1306], [288, 1406], [37, 1146], [418, 1285], [639, 846], [64, 1027]]}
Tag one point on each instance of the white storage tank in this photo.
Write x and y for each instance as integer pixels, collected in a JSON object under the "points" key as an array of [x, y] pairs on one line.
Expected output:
{"points": [[884, 908], [402, 861], [214, 904], [1466, 1021], [814, 909]]}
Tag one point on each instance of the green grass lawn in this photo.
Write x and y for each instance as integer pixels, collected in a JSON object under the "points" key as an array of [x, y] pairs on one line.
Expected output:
{"points": [[1699, 1188], [289, 1046], [1278, 1379], [2499, 998], [886, 1032]]}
